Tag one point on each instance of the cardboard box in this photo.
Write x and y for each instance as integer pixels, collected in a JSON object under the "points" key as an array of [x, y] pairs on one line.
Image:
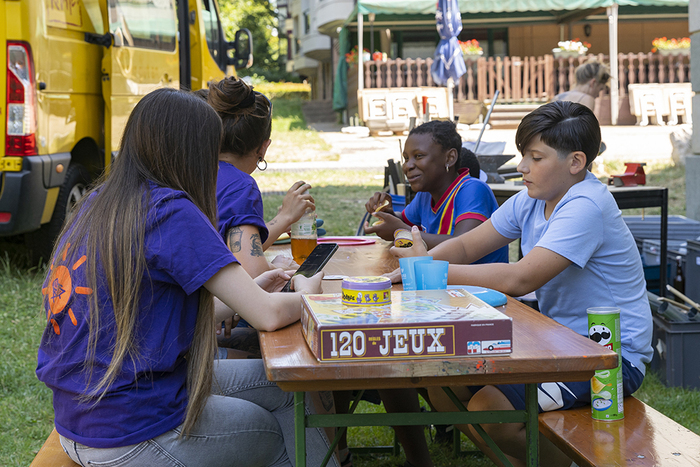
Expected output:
{"points": [[419, 324]]}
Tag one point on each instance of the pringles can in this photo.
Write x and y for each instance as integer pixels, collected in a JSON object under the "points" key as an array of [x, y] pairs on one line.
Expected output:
{"points": [[606, 386]]}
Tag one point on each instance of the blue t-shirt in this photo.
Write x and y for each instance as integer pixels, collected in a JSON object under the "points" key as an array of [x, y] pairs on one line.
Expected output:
{"points": [[148, 397], [465, 198], [586, 228], [238, 200]]}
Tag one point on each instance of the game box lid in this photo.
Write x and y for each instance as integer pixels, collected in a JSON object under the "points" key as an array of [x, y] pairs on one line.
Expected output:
{"points": [[417, 324]]}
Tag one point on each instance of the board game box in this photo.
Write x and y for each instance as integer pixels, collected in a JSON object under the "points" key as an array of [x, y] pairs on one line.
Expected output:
{"points": [[416, 324]]}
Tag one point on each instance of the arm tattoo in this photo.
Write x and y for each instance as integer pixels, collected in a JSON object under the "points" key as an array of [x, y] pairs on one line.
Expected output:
{"points": [[256, 245], [234, 239]]}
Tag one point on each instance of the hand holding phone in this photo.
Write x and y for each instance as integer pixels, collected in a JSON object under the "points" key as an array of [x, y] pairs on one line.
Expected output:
{"points": [[315, 262]]}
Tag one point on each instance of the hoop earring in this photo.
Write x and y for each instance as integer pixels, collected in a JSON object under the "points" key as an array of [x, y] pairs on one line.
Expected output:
{"points": [[262, 169]]}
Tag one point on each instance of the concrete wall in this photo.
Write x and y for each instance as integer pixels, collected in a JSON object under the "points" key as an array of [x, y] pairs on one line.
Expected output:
{"points": [[692, 163], [633, 36]]}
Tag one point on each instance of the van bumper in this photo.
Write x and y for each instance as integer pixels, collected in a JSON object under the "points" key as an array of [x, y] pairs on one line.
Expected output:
{"points": [[23, 194]]}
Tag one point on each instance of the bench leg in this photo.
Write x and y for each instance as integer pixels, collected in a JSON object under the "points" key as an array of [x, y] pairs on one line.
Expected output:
{"points": [[484, 436]]}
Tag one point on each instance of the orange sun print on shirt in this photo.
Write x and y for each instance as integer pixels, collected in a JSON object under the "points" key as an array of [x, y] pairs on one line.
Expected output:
{"points": [[60, 289]]}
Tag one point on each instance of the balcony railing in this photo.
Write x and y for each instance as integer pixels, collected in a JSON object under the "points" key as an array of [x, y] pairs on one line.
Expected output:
{"points": [[525, 79]]}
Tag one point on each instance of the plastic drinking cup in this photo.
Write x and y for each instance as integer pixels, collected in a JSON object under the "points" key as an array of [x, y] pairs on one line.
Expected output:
{"points": [[408, 276], [431, 275]]}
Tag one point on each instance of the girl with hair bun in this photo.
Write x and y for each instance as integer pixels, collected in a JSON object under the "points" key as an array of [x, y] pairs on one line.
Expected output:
{"points": [[129, 343], [247, 121]]}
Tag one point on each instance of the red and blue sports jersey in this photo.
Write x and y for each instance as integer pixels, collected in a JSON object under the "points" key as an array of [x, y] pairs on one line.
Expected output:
{"points": [[148, 397], [465, 198]]}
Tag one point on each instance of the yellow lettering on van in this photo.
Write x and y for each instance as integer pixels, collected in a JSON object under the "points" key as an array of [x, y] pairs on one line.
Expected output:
{"points": [[64, 13]]}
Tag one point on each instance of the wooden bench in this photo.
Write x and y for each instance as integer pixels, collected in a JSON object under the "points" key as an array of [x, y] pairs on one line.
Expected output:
{"points": [[645, 437], [51, 454]]}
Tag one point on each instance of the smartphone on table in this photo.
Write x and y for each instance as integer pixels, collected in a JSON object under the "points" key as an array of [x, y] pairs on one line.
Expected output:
{"points": [[314, 262]]}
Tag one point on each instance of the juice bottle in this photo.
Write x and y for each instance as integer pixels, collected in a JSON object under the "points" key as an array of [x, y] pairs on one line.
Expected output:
{"points": [[303, 236]]}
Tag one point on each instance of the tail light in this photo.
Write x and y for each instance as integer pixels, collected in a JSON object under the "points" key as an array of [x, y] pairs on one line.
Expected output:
{"points": [[20, 137]]}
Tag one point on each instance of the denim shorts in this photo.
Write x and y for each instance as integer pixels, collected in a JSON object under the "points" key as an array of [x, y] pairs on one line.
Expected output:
{"points": [[562, 396], [247, 420]]}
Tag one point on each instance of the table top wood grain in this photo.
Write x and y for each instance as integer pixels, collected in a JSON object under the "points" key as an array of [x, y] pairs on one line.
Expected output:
{"points": [[543, 350]]}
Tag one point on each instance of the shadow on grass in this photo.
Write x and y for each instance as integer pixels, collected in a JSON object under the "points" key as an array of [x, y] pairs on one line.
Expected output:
{"points": [[14, 255]]}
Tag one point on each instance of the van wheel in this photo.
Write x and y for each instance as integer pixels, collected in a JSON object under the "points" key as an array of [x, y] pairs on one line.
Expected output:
{"points": [[40, 242]]}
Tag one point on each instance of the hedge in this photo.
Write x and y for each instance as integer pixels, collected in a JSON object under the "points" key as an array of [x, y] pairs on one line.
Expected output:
{"points": [[285, 90]]}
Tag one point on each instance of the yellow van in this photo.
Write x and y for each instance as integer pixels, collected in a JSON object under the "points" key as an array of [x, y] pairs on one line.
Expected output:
{"points": [[74, 71]]}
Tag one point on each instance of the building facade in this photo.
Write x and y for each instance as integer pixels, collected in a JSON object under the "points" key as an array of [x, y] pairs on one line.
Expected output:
{"points": [[312, 29]]}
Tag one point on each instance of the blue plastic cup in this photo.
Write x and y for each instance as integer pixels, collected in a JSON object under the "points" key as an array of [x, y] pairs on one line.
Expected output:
{"points": [[408, 274], [431, 275]]}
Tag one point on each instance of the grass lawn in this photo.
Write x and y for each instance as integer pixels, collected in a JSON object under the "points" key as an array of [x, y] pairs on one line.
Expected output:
{"points": [[290, 135], [26, 414]]}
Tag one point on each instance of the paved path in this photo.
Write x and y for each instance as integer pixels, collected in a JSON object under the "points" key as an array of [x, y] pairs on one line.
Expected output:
{"points": [[649, 144]]}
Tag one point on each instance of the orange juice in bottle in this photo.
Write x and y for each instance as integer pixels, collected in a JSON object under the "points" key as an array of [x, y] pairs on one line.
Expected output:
{"points": [[303, 236]]}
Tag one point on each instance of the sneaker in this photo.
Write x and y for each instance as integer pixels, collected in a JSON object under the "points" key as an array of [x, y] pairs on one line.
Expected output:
{"points": [[443, 434]]}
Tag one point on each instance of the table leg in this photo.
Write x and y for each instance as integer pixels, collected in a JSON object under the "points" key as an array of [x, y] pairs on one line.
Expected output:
{"points": [[532, 426], [663, 279], [300, 428]]}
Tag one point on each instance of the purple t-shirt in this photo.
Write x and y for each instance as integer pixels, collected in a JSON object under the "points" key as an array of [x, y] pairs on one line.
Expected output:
{"points": [[149, 397], [239, 200]]}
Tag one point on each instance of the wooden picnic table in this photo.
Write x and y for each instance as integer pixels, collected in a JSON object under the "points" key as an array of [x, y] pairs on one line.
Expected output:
{"points": [[543, 350]]}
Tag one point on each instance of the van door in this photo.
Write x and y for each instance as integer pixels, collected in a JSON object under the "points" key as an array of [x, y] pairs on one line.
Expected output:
{"points": [[143, 57]]}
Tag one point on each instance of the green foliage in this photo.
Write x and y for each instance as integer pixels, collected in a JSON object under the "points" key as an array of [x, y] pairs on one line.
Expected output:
{"points": [[259, 17], [300, 91]]}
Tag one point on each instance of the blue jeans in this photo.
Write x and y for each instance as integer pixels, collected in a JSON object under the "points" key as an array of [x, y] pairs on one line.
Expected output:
{"points": [[248, 421]]}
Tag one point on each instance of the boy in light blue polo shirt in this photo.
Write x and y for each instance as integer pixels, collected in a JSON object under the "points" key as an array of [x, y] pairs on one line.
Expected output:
{"points": [[578, 253]]}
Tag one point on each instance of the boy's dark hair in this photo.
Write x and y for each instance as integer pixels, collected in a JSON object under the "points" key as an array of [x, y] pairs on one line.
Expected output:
{"points": [[468, 160], [564, 126], [445, 134]]}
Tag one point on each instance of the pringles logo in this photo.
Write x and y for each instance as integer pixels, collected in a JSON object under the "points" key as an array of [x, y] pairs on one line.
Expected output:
{"points": [[60, 289]]}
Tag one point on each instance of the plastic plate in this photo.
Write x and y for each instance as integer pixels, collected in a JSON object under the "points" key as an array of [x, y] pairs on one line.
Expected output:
{"points": [[489, 296], [348, 241]]}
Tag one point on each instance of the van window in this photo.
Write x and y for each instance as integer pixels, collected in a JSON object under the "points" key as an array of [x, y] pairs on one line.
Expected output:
{"points": [[148, 24], [212, 29]]}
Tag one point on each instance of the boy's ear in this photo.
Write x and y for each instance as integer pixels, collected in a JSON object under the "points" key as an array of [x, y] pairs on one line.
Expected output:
{"points": [[578, 162]]}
